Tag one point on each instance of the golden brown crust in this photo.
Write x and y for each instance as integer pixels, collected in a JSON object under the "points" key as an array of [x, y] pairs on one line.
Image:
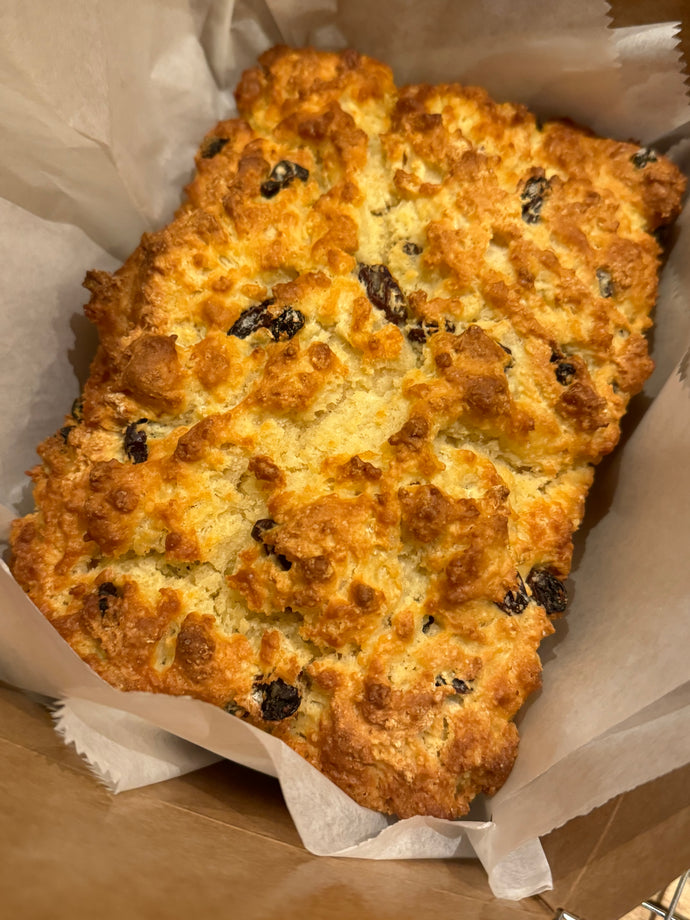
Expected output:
{"points": [[343, 418]]}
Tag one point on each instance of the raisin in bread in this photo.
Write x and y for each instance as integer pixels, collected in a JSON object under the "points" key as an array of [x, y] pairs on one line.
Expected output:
{"points": [[343, 418]]}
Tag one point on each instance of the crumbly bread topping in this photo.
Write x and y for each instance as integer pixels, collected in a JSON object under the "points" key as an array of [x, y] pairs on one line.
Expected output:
{"points": [[343, 417]]}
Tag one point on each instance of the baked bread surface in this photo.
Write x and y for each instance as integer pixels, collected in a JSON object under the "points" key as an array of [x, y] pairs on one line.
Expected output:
{"points": [[343, 417]]}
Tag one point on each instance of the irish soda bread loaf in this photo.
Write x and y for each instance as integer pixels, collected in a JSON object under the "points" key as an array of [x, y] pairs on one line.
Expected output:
{"points": [[343, 418]]}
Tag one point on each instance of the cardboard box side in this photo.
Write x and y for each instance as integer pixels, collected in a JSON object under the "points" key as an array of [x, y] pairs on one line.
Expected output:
{"points": [[205, 843], [224, 832], [607, 862]]}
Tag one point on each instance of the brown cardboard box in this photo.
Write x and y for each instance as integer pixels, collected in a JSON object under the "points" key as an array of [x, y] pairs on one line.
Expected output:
{"points": [[221, 841]]}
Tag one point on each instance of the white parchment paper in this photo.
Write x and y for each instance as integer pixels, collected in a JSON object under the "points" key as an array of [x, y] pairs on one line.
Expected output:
{"points": [[101, 108]]}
